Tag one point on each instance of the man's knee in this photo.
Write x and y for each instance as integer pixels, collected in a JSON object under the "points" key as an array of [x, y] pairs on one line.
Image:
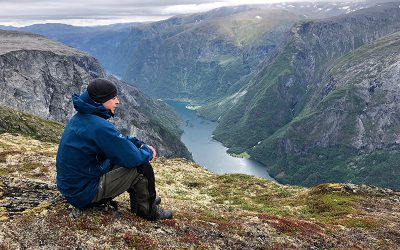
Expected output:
{"points": [[115, 182], [145, 167]]}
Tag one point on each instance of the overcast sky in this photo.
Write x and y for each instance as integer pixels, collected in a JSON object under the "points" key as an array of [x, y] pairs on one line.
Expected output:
{"points": [[100, 12]]}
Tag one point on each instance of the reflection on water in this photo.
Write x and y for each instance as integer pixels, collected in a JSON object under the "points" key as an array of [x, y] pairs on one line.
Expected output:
{"points": [[208, 152]]}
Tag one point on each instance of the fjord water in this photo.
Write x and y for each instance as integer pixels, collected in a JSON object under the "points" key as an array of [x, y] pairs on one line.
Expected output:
{"points": [[209, 153]]}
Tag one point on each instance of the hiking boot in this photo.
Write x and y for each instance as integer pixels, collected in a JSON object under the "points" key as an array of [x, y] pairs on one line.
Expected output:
{"points": [[158, 213], [155, 213], [133, 202]]}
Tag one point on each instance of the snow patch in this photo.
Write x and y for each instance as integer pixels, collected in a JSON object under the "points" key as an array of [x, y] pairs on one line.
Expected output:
{"points": [[258, 17], [235, 97]]}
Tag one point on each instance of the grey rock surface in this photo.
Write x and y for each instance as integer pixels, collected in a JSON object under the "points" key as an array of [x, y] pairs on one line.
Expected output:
{"points": [[39, 76], [14, 41]]}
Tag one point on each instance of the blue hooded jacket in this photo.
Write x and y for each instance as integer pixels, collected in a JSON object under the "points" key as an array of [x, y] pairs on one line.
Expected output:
{"points": [[89, 146]]}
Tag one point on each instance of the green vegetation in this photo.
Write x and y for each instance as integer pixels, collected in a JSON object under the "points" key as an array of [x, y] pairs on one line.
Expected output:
{"points": [[253, 195], [328, 206], [264, 108], [12, 121], [249, 27], [241, 155], [162, 115], [305, 128]]}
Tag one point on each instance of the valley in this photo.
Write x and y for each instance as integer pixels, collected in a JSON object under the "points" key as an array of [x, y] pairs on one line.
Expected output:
{"points": [[307, 89]]}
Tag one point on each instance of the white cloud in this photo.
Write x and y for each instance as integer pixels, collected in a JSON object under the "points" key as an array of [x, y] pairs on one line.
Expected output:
{"points": [[95, 12], [84, 22], [191, 8]]}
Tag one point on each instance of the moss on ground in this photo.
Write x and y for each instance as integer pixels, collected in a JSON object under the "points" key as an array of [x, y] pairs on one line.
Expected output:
{"points": [[211, 211], [13, 121], [328, 204]]}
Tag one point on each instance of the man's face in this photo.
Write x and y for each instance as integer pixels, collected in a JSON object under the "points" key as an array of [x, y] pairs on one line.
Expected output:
{"points": [[111, 104]]}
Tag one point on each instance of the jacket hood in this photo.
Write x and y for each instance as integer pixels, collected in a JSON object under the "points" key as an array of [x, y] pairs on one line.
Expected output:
{"points": [[85, 105]]}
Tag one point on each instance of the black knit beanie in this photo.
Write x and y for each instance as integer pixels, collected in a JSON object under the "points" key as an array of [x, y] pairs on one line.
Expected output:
{"points": [[101, 90]]}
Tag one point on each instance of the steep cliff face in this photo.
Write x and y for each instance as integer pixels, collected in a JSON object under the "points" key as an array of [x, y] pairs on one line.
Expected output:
{"points": [[295, 98], [39, 76]]}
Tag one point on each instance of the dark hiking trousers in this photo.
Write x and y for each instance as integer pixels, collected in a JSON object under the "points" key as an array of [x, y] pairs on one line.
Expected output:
{"points": [[139, 182]]}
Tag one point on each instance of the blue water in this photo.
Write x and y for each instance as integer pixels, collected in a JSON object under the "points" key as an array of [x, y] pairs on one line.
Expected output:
{"points": [[211, 154]]}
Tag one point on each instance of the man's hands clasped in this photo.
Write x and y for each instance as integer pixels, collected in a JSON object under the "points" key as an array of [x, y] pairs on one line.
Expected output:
{"points": [[154, 152]]}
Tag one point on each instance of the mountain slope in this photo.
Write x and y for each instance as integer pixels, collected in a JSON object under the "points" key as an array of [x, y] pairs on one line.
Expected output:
{"points": [[207, 56], [287, 88], [205, 59], [39, 76], [349, 131]]}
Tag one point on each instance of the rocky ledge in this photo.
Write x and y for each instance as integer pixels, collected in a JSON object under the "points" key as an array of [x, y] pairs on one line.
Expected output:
{"points": [[212, 211]]}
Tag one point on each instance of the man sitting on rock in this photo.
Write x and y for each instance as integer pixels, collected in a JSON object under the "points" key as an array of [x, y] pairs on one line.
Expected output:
{"points": [[96, 163]]}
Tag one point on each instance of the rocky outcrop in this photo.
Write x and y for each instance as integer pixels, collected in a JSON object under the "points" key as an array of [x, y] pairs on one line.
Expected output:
{"points": [[39, 76]]}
